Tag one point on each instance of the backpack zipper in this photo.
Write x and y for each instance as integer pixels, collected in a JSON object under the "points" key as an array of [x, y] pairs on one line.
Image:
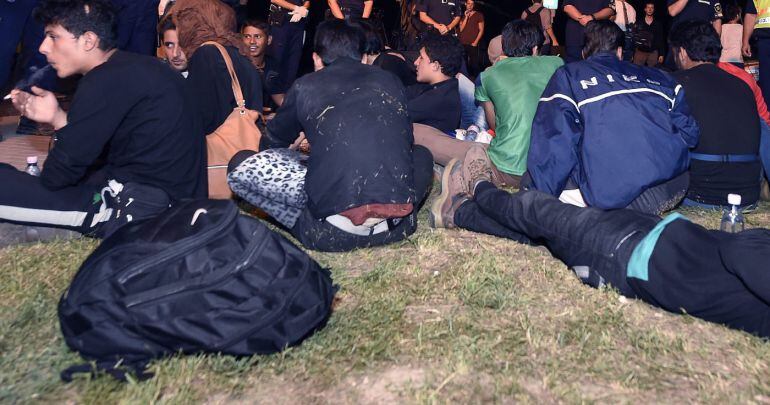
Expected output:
{"points": [[178, 249], [166, 291]]}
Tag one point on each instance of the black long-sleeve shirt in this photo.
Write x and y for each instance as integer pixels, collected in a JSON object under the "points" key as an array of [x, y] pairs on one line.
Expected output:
{"points": [[726, 112], [436, 105], [354, 117], [130, 119], [211, 86]]}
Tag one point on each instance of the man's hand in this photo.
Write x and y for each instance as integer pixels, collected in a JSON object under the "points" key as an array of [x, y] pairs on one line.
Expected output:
{"points": [[442, 29], [298, 13], [585, 19], [746, 48], [39, 106]]}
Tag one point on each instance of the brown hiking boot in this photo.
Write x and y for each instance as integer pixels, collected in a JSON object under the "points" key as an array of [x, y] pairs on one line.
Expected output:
{"points": [[476, 167], [453, 194]]}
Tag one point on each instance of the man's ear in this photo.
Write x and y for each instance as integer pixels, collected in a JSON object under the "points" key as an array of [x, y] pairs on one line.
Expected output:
{"points": [[90, 40], [620, 53], [269, 40], [318, 63]]}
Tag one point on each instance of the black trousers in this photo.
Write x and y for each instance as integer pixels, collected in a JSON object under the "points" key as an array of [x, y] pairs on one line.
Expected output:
{"points": [[87, 208], [24, 200], [320, 235], [596, 244]]}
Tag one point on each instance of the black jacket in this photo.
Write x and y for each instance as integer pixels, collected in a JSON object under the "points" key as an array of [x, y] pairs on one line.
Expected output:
{"points": [[355, 118]]}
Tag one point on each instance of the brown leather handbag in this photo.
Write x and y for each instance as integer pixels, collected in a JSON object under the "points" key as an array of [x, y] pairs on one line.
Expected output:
{"points": [[238, 132]]}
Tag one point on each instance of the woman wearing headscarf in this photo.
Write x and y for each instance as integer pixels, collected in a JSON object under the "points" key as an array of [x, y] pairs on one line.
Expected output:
{"points": [[200, 21]]}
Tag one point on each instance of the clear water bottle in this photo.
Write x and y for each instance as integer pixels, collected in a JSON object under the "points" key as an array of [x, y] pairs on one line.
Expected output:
{"points": [[472, 133], [32, 167], [732, 219]]}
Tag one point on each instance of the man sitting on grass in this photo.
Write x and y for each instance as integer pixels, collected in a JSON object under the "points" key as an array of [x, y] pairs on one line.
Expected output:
{"points": [[509, 92], [672, 263], [128, 147], [365, 180], [611, 134], [435, 100]]}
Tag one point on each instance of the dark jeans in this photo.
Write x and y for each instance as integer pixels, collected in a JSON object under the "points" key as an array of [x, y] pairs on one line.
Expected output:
{"points": [[286, 48], [18, 26], [596, 244], [137, 25], [574, 53], [25, 201], [317, 234], [763, 49], [473, 59]]}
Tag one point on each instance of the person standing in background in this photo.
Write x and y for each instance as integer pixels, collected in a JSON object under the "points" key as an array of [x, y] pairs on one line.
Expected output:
{"points": [[137, 25], [18, 27], [471, 32], [651, 52], [542, 18], [580, 13], [350, 9], [287, 26], [441, 15], [732, 31], [625, 16]]}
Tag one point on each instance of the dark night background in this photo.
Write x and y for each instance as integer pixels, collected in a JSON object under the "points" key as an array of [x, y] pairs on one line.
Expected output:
{"points": [[496, 12]]}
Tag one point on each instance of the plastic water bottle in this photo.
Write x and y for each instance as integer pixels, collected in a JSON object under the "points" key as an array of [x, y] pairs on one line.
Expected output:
{"points": [[32, 167], [732, 219], [472, 133]]}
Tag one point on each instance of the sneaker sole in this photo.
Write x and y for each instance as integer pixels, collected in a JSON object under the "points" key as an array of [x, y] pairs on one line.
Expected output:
{"points": [[435, 209]]}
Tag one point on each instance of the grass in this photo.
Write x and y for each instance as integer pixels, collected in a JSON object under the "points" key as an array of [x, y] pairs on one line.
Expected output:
{"points": [[447, 316]]}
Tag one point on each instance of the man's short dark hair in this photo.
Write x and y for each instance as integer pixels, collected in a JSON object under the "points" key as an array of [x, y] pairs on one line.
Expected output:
{"points": [[166, 24], [81, 16], [372, 42], [519, 37], [258, 24], [602, 36], [444, 49], [336, 39], [699, 39]]}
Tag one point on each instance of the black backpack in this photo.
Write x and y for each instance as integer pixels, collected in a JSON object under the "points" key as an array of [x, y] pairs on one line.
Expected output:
{"points": [[199, 278], [533, 17]]}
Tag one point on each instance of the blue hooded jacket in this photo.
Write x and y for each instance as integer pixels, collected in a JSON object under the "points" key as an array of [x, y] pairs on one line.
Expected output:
{"points": [[615, 128]]}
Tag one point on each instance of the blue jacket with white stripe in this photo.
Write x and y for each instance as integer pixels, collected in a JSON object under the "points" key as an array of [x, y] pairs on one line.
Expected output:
{"points": [[615, 128]]}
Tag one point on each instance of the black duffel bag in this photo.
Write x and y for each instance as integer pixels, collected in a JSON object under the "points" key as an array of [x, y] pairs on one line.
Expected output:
{"points": [[199, 278]]}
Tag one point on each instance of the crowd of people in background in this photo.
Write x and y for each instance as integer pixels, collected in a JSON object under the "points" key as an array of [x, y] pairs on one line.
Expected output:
{"points": [[599, 143]]}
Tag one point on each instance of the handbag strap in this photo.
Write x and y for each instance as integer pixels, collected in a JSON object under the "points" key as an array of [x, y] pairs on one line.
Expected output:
{"points": [[237, 93]]}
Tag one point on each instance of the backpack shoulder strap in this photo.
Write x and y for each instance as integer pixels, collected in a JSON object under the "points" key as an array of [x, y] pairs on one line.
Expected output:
{"points": [[237, 93], [539, 10]]}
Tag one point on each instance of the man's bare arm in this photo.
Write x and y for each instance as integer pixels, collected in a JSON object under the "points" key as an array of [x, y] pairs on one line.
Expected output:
{"points": [[676, 7]]}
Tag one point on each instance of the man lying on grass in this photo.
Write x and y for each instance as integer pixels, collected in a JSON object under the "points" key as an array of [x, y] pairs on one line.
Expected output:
{"points": [[672, 263], [127, 148]]}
